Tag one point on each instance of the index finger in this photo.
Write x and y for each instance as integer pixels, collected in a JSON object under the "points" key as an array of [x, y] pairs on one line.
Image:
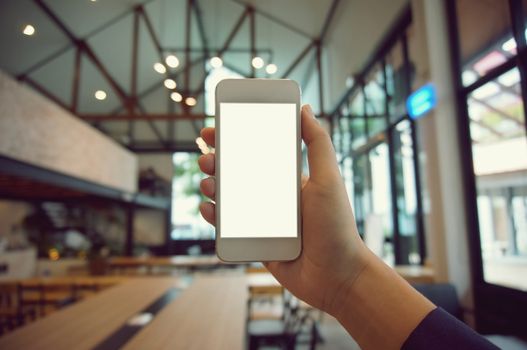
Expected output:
{"points": [[208, 134]]}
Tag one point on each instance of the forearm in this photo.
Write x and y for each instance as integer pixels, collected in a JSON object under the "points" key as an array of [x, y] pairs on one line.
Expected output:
{"points": [[380, 309]]}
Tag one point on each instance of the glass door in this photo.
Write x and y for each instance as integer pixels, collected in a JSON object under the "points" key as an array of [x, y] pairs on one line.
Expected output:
{"points": [[372, 200]]}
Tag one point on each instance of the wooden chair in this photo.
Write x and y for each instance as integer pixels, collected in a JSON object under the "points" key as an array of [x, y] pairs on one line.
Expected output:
{"points": [[12, 312], [46, 296], [283, 332], [84, 288], [263, 299]]}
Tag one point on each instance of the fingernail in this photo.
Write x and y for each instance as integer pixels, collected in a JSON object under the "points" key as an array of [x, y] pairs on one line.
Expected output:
{"points": [[310, 110]]}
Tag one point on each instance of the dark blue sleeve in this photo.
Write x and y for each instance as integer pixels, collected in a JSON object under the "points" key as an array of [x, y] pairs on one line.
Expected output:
{"points": [[440, 330]]}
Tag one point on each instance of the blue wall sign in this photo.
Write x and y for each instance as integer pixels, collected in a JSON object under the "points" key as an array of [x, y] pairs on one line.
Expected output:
{"points": [[421, 101]]}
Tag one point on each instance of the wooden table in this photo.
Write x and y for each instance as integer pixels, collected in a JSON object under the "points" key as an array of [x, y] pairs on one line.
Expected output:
{"points": [[416, 273], [52, 291], [263, 283], [183, 261], [58, 281], [211, 314], [85, 324]]}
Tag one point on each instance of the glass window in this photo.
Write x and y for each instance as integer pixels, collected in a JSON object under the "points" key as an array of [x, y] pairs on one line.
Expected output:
{"points": [[406, 193], [378, 103], [345, 140], [357, 121], [187, 223], [499, 148], [361, 185], [337, 137], [347, 173], [375, 103], [372, 205], [396, 82], [414, 51]]}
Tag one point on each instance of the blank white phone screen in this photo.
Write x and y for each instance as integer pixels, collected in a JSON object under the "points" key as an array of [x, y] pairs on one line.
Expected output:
{"points": [[258, 170]]}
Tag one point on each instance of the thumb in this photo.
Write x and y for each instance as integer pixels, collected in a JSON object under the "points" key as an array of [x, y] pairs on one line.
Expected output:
{"points": [[320, 153]]}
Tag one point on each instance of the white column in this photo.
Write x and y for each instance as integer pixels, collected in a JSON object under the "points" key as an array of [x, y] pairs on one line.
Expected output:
{"points": [[444, 202]]}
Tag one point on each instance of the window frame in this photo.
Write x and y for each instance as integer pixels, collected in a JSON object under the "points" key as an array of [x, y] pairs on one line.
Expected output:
{"points": [[498, 309], [395, 39]]}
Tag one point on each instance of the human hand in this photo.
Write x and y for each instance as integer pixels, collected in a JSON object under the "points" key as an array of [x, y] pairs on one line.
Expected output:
{"points": [[333, 253]]}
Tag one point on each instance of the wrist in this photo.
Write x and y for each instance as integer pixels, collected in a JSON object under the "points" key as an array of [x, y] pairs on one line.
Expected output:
{"points": [[360, 263], [378, 308]]}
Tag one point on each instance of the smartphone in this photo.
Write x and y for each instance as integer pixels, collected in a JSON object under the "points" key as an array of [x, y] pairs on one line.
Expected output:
{"points": [[258, 170]]}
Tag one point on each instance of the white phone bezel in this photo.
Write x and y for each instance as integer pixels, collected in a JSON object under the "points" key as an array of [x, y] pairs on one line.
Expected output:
{"points": [[257, 91]]}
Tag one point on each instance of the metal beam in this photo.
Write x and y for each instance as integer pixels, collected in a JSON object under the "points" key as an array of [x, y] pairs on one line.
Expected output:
{"points": [[201, 28], [188, 37], [62, 50], [44, 92], [76, 80], [154, 128], [297, 60], [327, 21], [151, 31], [276, 20], [159, 49], [135, 54], [308, 72], [56, 20], [157, 85], [264, 50], [41, 63], [141, 117], [252, 38], [125, 101], [320, 79], [133, 80], [87, 50], [233, 33]]}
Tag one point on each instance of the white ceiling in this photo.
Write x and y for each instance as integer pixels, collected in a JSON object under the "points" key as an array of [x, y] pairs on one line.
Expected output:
{"points": [[357, 26]]}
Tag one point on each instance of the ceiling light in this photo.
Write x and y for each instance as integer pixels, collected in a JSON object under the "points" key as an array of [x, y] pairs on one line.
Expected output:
{"points": [[257, 62], [190, 101], [216, 62], [28, 30], [160, 68], [271, 68], [176, 97], [100, 95], [172, 61], [170, 84]]}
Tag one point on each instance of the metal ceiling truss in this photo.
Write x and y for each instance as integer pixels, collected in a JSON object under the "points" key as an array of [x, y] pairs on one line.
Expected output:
{"points": [[130, 103]]}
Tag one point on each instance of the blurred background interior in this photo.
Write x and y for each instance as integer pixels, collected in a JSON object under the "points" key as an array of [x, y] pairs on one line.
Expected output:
{"points": [[101, 103]]}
